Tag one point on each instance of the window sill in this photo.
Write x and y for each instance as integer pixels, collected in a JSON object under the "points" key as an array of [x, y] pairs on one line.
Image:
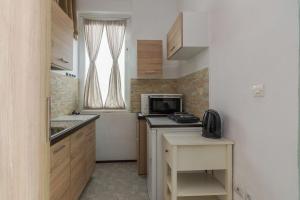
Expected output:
{"points": [[90, 111]]}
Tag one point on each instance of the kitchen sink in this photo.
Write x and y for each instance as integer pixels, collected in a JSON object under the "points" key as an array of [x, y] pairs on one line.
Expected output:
{"points": [[55, 130]]}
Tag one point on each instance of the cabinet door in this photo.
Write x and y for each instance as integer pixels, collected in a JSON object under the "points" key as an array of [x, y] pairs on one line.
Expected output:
{"points": [[24, 71], [149, 58], [142, 146], [60, 170], [78, 166], [90, 135], [175, 36], [62, 38]]}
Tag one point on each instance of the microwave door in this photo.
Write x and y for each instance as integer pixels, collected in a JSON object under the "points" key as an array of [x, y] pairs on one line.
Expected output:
{"points": [[164, 105]]}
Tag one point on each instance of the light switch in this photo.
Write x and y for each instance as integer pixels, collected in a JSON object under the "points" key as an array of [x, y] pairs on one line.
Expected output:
{"points": [[258, 90]]}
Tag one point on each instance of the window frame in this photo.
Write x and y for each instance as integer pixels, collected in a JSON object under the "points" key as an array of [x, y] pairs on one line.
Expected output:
{"points": [[82, 58]]}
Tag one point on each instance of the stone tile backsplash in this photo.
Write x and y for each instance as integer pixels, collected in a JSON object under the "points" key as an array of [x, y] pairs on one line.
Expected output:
{"points": [[195, 88], [64, 94]]}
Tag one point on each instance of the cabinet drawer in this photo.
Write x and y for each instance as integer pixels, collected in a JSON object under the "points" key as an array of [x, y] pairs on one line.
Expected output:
{"points": [[59, 153], [212, 157]]}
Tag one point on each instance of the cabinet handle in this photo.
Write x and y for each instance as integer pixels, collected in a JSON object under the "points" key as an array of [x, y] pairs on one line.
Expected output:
{"points": [[63, 60], [166, 150], [150, 72], [59, 149]]}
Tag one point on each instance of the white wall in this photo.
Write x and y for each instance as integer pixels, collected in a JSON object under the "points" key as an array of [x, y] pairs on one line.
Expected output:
{"points": [[115, 136], [149, 20], [116, 131], [255, 41], [201, 60]]}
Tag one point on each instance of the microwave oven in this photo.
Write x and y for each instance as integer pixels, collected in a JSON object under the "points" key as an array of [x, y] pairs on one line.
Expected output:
{"points": [[156, 104]]}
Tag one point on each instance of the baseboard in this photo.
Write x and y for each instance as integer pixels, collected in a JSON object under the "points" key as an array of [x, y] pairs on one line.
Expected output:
{"points": [[114, 161]]}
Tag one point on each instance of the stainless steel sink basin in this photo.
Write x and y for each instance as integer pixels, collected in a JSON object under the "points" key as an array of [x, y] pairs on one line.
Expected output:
{"points": [[55, 130]]}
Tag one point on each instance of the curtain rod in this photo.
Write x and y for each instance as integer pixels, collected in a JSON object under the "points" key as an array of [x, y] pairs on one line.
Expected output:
{"points": [[108, 17]]}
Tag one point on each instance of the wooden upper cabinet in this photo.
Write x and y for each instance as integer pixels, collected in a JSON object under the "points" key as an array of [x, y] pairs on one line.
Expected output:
{"points": [[187, 36], [149, 58], [62, 39], [174, 39]]}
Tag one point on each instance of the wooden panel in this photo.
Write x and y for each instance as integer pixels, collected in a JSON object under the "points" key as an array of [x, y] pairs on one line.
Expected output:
{"points": [[60, 152], [142, 147], [60, 170], [60, 182], [149, 55], [90, 128], [90, 151], [78, 164], [210, 157], [24, 86], [62, 38], [78, 176], [83, 158], [175, 36], [77, 143]]}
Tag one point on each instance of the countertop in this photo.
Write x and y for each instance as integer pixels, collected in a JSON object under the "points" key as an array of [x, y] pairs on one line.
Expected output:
{"points": [[194, 139], [165, 122], [142, 116], [71, 123]]}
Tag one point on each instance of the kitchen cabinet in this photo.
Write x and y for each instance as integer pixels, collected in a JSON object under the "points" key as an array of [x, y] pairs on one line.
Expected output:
{"points": [[77, 163], [197, 167], [149, 58], [90, 134], [141, 146], [73, 161], [187, 36], [60, 170], [62, 39], [24, 82]]}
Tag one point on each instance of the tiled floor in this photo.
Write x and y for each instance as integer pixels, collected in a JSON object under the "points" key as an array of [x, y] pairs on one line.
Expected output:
{"points": [[116, 181]]}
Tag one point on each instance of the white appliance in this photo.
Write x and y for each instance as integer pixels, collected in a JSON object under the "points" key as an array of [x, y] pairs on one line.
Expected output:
{"points": [[155, 157], [161, 103]]}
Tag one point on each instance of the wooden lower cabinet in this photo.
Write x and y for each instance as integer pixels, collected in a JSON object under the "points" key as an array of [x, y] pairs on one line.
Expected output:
{"points": [[90, 152], [142, 146], [73, 162], [60, 170], [78, 142]]}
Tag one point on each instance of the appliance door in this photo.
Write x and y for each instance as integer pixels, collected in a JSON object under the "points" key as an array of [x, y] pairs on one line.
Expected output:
{"points": [[165, 105]]}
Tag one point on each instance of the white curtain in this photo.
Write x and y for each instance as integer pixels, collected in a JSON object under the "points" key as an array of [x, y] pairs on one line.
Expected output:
{"points": [[115, 35], [93, 34]]}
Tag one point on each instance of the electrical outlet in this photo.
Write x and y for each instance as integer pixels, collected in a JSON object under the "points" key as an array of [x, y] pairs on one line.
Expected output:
{"points": [[239, 191]]}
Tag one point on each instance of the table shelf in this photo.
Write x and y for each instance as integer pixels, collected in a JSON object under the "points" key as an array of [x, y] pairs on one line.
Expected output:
{"points": [[198, 184]]}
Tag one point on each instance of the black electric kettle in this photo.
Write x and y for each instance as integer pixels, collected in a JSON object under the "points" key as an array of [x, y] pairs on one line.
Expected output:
{"points": [[211, 124]]}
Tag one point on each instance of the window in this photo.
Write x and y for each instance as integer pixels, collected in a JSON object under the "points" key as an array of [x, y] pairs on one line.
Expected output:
{"points": [[104, 65]]}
